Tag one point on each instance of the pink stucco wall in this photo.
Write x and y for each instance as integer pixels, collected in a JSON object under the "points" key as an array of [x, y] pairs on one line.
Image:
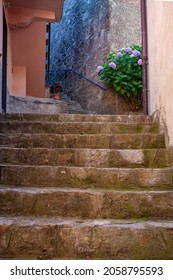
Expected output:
{"points": [[26, 23], [160, 45], [28, 50], [47, 5]]}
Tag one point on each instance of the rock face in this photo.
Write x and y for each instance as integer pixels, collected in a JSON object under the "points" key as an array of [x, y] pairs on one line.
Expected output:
{"points": [[88, 31], [31, 105], [84, 187]]}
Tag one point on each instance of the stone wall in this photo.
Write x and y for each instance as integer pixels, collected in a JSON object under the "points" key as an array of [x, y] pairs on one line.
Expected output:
{"points": [[88, 31], [32, 105]]}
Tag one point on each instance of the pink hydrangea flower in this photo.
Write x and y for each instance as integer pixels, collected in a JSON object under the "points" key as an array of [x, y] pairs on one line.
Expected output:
{"points": [[136, 53], [99, 68], [140, 62], [119, 55], [112, 65], [128, 50]]}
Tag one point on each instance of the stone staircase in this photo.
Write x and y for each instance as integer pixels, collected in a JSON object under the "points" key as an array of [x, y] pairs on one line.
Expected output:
{"points": [[84, 187]]}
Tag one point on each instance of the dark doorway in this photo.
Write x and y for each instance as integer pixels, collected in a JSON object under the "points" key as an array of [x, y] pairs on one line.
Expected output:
{"points": [[4, 66]]}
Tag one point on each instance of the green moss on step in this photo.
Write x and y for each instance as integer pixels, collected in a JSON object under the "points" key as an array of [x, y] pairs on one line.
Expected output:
{"points": [[154, 128], [139, 129]]}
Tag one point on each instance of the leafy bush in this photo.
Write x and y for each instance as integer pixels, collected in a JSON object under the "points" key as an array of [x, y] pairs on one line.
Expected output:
{"points": [[123, 72]]}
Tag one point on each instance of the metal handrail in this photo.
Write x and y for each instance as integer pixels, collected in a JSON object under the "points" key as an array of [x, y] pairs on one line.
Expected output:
{"points": [[78, 74]]}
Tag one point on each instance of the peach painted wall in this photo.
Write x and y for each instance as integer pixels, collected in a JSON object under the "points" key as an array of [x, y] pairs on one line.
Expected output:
{"points": [[19, 81], [47, 5], [9, 60], [50, 5], [28, 50], [9, 64], [160, 44]]}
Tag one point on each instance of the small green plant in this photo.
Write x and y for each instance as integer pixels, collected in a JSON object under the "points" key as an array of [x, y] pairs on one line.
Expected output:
{"points": [[123, 72]]}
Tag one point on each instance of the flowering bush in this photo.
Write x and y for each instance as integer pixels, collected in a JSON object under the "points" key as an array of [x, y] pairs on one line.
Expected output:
{"points": [[123, 72]]}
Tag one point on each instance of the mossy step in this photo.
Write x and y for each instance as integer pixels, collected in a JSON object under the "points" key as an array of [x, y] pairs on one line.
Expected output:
{"points": [[55, 238], [75, 127], [86, 177], [135, 118], [87, 157], [88, 204], [118, 141]]}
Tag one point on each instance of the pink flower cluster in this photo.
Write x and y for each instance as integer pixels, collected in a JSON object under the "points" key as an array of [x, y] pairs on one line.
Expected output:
{"points": [[112, 65], [140, 62], [99, 68]]}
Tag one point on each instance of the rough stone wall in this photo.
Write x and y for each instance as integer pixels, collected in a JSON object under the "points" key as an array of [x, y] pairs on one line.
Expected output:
{"points": [[88, 31], [125, 23], [32, 105]]}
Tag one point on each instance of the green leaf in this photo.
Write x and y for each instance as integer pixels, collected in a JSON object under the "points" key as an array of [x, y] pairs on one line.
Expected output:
{"points": [[118, 88]]}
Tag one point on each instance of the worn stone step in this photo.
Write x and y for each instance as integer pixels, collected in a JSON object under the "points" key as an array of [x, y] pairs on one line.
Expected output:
{"points": [[87, 157], [118, 141], [131, 119], [88, 204], [75, 127], [86, 177], [56, 238]]}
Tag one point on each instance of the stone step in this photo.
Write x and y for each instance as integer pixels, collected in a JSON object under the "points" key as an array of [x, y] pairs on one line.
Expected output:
{"points": [[57, 238], [79, 186], [131, 119], [76, 127], [86, 177], [87, 204], [87, 157], [118, 141]]}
